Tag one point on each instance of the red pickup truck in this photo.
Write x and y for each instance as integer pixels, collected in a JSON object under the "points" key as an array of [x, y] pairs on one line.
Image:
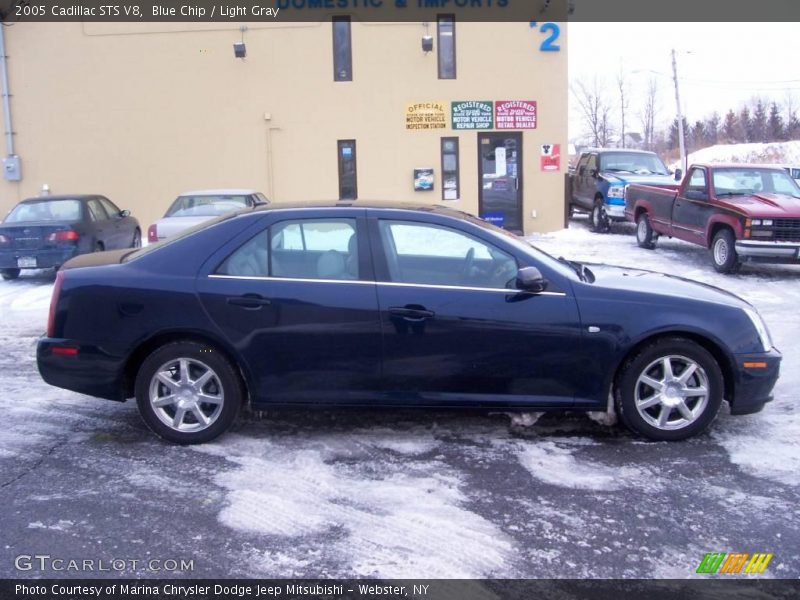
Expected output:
{"points": [[739, 212]]}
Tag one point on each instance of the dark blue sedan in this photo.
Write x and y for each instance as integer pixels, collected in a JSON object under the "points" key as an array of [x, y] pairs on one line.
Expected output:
{"points": [[394, 305], [45, 232]]}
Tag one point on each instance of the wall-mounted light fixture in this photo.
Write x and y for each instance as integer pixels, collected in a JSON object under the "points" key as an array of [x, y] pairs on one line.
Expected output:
{"points": [[239, 48], [427, 39]]}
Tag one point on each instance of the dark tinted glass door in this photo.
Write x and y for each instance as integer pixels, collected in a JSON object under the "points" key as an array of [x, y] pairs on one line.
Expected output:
{"points": [[500, 174]]}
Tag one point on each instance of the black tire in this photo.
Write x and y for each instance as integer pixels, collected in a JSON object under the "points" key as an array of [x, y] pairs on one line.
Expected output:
{"points": [[137, 239], [645, 236], [632, 395], [9, 274], [598, 217], [223, 389], [723, 252]]}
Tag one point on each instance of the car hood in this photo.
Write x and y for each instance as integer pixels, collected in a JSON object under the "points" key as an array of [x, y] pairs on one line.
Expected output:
{"points": [[661, 284], [627, 178], [765, 205], [169, 226]]}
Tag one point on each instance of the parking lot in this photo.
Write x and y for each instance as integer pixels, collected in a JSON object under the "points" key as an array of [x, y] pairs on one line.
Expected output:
{"points": [[343, 493]]}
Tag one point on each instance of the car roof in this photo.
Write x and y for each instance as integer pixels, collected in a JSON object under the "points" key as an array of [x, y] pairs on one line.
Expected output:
{"points": [[731, 165], [220, 192], [63, 197], [376, 204], [609, 150]]}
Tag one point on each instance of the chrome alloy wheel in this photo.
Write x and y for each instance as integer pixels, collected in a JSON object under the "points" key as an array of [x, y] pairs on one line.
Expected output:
{"points": [[721, 251], [671, 392], [186, 395]]}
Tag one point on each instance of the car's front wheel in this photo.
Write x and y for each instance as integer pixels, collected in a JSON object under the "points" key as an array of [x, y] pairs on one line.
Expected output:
{"points": [[723, 252], [670, 390], [9, 273], [600, 222], [645, 236], [188, 393]]}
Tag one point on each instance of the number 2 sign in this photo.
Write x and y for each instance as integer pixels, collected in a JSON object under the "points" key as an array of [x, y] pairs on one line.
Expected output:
{"points": [[549, 43]]}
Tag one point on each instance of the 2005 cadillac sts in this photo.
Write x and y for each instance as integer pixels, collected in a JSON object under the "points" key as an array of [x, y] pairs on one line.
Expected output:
{"points": [[394, 305]]}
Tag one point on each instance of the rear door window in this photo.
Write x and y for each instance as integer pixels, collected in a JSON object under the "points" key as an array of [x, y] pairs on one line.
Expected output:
{"points": [[96, 210], [315, 249]]}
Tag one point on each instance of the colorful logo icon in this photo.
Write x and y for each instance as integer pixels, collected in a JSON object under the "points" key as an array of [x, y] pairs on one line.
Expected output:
{"points": [[734, 563]]}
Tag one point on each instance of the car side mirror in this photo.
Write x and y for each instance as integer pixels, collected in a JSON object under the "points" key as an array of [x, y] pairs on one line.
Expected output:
{"points": [[582, 171], [124, 213], [530, 279], [678, 174], [593, 173]]}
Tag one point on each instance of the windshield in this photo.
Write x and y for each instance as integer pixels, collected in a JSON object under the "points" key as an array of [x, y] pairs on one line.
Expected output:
{"points": [[632, 162], [45, 210], [206, 206], [746, 181], [540, 255], [174, 238]]}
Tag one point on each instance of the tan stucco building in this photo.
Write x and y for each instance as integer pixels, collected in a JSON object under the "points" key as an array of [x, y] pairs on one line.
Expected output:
{"points": [[140, 112]]}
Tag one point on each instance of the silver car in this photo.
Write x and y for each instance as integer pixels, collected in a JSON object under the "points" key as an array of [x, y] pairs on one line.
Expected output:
{"points": [[192, 208]]}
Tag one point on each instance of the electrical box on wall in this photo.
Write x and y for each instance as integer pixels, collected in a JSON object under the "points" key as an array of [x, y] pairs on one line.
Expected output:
{"points": [[12, 169]]}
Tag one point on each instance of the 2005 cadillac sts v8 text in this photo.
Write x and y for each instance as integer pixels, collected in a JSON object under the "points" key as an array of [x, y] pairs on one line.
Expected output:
{"points": [[394, 305]]}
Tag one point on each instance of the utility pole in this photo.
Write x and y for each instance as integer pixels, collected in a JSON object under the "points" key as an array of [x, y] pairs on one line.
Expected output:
{"points": [[681, 138]]}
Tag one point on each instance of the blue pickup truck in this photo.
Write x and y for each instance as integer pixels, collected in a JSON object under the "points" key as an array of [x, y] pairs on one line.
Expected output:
{"points": [[601, 174]]}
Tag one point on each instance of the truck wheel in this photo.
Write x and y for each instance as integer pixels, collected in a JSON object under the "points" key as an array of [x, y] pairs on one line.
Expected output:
{"points": [[723, 252], [670, 390], [645, 236], [600, 222], [9, 273]]}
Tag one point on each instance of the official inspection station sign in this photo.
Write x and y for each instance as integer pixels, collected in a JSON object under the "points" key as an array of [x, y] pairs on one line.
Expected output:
{"points": [[426, 115]]}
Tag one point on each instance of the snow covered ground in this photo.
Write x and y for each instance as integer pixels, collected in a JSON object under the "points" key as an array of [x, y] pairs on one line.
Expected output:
{"points": [[403, 493]]}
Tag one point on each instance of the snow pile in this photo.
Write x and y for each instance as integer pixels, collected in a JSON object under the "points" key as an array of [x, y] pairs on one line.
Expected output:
{"points": [[394, 520], [775, 153]]}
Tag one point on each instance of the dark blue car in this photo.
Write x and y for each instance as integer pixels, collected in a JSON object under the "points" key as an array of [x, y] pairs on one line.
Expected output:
{"points": [[45, 232], [393, 305]]}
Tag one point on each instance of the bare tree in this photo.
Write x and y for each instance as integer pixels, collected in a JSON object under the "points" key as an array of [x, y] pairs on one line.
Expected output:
{"points": [[648, 114], [593, 104], [622, 86]]}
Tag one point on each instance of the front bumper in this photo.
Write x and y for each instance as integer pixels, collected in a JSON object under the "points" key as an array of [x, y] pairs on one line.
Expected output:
{"points": [[615, 211], [45, 258], [768, 251], [754, 377], [93, 370]]}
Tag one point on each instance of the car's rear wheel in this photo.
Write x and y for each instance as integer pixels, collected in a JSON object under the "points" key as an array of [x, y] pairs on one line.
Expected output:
{"points": [[137, 239], [9, 273], [645, 236], [723, 252], [188, 393], [671, 390], [600, 222]]}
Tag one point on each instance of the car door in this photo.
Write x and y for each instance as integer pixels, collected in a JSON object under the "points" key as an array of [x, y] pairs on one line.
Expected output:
{"points": [[454, 333], [692, 208], [104, 230], [123, 227], [580, 180], [296, 297]]}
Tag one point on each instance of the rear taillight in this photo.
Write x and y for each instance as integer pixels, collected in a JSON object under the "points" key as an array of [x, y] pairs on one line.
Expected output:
{"points": [[152, 233], [63, 236], [51, 318]]}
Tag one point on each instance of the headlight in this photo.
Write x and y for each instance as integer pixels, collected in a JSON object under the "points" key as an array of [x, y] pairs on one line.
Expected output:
{"points": [[761, 328], [616, 191], [767, 222]]}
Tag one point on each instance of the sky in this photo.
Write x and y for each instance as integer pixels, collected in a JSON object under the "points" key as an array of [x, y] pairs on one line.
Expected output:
{"points": [[719, 64]]}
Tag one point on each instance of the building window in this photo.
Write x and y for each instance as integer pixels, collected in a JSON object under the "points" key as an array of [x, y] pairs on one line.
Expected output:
{"points": [[450, 169], [342, 50], [447, 46], [348, 184]]}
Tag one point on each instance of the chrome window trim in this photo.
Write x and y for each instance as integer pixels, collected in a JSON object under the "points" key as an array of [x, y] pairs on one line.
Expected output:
{"points": [[384, 283]]}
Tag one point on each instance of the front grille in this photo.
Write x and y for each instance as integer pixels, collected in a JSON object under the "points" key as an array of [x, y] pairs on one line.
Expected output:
{"points": [[786, 230]]}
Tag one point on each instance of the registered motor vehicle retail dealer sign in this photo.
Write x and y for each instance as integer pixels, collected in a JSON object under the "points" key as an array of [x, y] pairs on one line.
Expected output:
{"points": [[473, 114], [515, 114]]}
